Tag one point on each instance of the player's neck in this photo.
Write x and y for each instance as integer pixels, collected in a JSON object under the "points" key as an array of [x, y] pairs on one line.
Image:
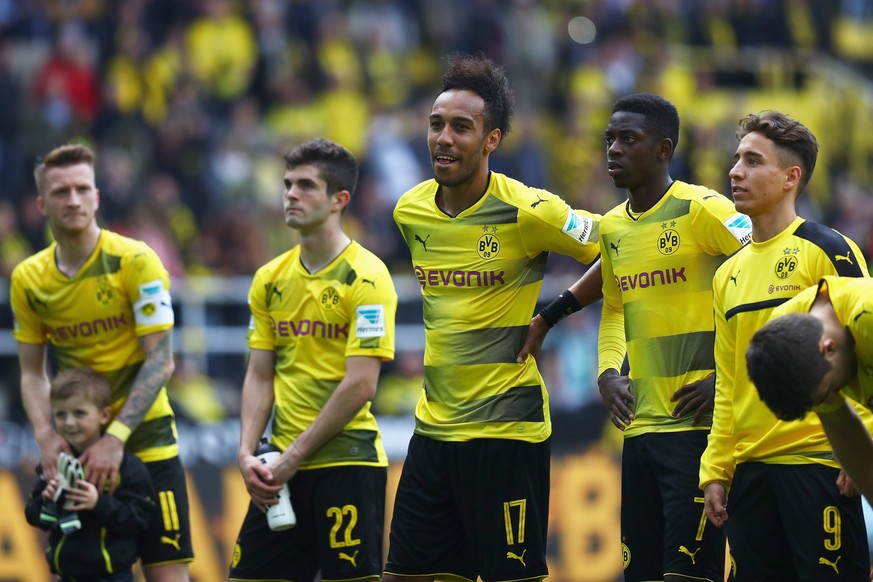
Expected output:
{"points": [[319, 248], [453, 200], [73, 251], [770, 224], [645, 197]]}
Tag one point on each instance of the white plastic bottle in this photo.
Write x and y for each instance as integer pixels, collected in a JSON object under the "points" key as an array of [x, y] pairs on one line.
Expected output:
{"points": [[281, 515]]}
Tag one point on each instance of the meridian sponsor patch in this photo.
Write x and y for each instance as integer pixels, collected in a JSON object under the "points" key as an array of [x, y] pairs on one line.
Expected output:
{"points": [[370, 321]]}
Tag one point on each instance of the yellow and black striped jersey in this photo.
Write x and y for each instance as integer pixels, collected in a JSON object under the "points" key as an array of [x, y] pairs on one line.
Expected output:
{"points": [[746, 289], [657, 296], [480, 274], [313, 322], [852, 301], [94, 319]]}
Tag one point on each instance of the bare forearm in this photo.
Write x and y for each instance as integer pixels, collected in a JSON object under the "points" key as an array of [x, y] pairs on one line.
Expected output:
{"points": [[257, 406], [589, 288], [152, 376], [35, 398], [342, 406]]}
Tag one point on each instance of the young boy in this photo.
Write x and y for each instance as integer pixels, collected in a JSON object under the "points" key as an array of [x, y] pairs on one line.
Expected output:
{"points": [[93, 535]]}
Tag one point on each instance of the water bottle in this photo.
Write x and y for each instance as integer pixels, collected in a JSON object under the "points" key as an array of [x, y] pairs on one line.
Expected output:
{"points": [[281, 515]]}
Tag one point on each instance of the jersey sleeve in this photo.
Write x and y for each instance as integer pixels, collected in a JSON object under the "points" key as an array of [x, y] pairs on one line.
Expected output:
{"points": [[260, 335], [552, 226], [717, 464], [147, 283], [27, 326], [722, 229], [372, 311], [611, 343]]}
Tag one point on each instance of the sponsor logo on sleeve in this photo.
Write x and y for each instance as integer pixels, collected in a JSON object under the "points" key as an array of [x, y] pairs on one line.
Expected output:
{"points": [[578, 227], [740, 227], [370, 321], [151, 288]]}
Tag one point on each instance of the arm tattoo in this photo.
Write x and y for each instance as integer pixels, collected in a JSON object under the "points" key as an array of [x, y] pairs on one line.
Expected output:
{"points": [[148, 382]]}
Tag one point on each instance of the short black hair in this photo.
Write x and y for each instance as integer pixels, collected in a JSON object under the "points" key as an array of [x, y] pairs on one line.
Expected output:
{"points": [[785, 364], [485, 78], [662, 119], [795, 143], [337, 165]]}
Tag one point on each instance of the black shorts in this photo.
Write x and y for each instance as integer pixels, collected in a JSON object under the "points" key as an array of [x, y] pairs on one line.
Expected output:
{"points": [[790, 522], [340, 529], [168, 539], [468, 509], [664, 528]]}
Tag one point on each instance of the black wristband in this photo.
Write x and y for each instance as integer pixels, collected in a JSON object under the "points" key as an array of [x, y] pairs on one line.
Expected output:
{"points": [[560, 308]]}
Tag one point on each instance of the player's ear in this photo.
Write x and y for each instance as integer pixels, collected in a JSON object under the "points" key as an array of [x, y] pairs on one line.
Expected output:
{"points": [[792, 177], [492, 140], [40, 204], [105, 416], [341, 199]]}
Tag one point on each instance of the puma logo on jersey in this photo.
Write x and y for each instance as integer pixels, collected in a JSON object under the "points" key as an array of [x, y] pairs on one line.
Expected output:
{"points": [[826, 562], [514, 556], [345, 556], [734, 279], [423, 241], [708, 196], [41, 302], [370, 282], [857, 317], [847, 257], [690, 554], [172, 541], [277, 292], [614, 247], [538, 202]]}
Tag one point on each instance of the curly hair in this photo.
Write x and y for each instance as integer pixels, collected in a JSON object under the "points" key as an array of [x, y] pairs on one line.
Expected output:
{"points": [[795, 143], [337, 165], [785, 364], [483, 77]]}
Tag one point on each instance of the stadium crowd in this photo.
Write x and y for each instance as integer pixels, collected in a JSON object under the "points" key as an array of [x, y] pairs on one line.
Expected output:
{"points": [[192, 103]]}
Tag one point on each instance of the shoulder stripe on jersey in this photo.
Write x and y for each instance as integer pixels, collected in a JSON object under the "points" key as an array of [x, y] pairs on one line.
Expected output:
{"points": [[756, 306], [105, 264], [672, 208], [834, 246], [518, 404], [492, 211]]}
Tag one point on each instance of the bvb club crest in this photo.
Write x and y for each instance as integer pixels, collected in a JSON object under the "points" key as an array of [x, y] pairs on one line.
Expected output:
{"points": [[668, 242], [786, 266], [105, 293], [488, 245], [329, 298]]}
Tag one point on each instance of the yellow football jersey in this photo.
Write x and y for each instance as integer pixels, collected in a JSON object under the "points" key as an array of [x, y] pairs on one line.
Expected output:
{"points": [[852, 300], [480, 274], [657, 296], [313, 322], [93, 319], [746, 289]]}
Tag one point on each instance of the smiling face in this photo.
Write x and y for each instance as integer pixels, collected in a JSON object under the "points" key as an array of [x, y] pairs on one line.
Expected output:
{"points": [[759, 180], [457, 139], [69, 199], [633, 158], [79, 420]]}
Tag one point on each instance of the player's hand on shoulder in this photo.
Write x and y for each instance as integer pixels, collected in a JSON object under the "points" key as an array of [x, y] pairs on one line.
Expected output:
{"points": [[533, 341], [697, 397], [102, 460], [616, 395], [49, 451], [715, 503]]}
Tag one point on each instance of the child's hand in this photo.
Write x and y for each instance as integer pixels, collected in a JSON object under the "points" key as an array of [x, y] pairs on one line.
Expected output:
{"points": [[81, 497], [48, 494]]}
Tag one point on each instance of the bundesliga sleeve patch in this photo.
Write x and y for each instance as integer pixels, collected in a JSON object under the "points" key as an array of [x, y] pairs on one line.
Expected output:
{"points": [[740, 227], [370, 321], [578, 227], [154, 306]]}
